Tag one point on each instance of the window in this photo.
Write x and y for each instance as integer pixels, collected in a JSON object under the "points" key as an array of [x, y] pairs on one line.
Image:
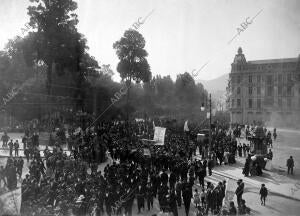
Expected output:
{"points": [[232, 103], [269, 79], [238, 90], [250, 78], [289, 78], [279, 90], [258, 90], [283, 78], [258, 103], [289, 91], [270, 91], [238, 79], [269, 101], [233, 80], [258, 78], [250, 90], [279, 78], [250, 103], [289, 102], [238, 102], [279, 102]]}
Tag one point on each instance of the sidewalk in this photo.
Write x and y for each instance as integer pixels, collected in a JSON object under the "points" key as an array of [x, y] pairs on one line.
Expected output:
{"points": [[277, 183]]}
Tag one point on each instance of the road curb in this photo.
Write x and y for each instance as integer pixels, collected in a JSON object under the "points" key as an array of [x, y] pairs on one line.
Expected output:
{"points": [[270, 191]]}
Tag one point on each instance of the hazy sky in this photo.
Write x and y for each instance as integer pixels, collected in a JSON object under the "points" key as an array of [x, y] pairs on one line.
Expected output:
{"points": [[181, 35]]}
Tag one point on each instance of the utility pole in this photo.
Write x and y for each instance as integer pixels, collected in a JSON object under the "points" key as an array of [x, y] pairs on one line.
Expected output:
{"points": [[210, 120]]}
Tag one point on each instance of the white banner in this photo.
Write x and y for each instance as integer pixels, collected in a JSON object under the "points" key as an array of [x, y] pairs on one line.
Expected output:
{"points": [[77, 130], [207, 115], [186, 127], [10, 202], [159, 135]]}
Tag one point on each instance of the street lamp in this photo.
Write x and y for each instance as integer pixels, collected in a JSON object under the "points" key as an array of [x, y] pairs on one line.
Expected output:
{"points": [[202, 108]]}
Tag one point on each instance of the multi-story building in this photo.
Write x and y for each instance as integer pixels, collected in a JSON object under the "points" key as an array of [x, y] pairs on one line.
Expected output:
{"points": [[266, 91]]}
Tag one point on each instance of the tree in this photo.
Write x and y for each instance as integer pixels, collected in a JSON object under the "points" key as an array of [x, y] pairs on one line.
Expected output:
{"points": [[58, 43], [56, 36], [133, 65], [13, 68], [20, 83], [106, 70], [186, 88]]}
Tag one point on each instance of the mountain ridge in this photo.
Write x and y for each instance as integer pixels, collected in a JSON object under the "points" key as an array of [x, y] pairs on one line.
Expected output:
{"points": [[216, 84]]}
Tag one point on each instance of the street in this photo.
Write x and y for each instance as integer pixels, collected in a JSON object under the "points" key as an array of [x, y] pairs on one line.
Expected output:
{"points": [[275, 205], [287, 144]]}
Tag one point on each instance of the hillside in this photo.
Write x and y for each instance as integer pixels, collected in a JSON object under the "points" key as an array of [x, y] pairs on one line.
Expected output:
{"points": [[216, 85], [217, 88]]}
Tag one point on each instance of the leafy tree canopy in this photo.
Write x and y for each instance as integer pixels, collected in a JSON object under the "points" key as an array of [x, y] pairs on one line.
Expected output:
{"points": [[133, 64]]}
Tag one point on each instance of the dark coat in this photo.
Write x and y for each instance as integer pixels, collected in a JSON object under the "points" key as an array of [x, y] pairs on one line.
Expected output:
{"points": [[263, 192], [240, 189], [187, 194], [290, 162]]}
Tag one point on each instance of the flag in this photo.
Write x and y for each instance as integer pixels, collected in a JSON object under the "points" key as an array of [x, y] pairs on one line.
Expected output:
{"points": [[10, 202], [159, 135], [207, 115], [77, 131], [186, 127]]}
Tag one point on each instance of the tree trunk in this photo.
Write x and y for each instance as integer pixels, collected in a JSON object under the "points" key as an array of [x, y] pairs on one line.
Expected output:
{"points": [[49, 78], [94, 100], [49, 92], [127, 103]]}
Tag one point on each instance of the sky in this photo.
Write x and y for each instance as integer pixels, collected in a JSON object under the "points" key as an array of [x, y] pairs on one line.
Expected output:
{"points": [[181, 35]]}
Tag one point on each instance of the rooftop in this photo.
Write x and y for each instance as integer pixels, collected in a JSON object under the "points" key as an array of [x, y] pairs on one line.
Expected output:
{"points": [[272, 61]]}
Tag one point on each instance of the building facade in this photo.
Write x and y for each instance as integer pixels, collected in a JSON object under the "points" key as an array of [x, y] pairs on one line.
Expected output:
{"points": [[264, 91]]}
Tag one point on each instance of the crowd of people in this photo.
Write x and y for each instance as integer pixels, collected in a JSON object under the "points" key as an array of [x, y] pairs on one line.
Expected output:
{"points": [[72, 184], [10, 144]]}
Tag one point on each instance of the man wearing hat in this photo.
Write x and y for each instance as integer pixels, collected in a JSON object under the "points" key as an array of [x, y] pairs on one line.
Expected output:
{"points": [[239, 191]]}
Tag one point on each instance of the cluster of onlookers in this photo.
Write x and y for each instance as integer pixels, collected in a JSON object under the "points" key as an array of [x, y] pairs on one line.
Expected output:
{"points": [[243, 149], [72, 184], [10, 144]]}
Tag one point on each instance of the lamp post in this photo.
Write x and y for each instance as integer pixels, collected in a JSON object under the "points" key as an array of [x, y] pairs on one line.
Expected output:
{"points": [[209, 120], [202, 109]]}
